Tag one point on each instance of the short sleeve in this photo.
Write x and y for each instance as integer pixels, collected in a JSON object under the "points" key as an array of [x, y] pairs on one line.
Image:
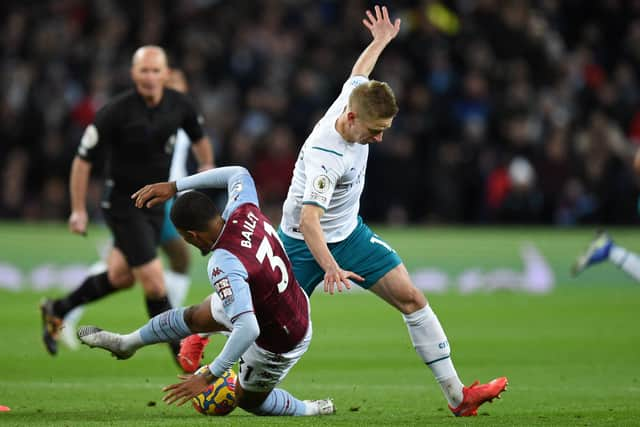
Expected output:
{"points": [[228, 277], [192, 121], [98, 133], [324, 167]]}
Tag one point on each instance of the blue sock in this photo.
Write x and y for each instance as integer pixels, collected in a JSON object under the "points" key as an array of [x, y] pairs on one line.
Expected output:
{"points": [[165, 327], [281, 402]]}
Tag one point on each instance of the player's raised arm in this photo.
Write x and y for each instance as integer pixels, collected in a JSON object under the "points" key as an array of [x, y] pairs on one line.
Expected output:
{"points": [[152, 194], [383, 31]]}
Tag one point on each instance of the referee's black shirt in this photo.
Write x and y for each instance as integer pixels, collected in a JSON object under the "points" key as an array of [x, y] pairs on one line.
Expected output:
{"points": [[138, 140]]}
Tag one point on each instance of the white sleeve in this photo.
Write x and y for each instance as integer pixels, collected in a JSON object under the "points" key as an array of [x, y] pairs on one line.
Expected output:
{"points": [[180, 154], [324, 167]]}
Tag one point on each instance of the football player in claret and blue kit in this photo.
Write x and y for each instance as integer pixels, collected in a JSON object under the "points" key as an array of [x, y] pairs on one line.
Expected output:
{"points": [[256, 297]]}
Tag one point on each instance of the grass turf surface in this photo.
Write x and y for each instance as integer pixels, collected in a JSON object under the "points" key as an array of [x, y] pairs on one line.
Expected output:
{"points": [[571, 356]]}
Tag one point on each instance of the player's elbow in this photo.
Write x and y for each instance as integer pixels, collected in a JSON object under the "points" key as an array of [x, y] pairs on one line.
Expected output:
{"points": [[238, 171], [243, 170], [251, 327]]}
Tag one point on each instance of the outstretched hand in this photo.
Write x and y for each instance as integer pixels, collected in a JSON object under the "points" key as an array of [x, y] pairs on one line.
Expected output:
{"points": [[151, 195], [380, 25], [336, 277], [180, 393]]}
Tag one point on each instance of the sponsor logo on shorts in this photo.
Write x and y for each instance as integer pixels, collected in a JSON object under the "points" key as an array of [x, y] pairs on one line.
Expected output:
{"points": [[217, 271], [224, 291]]}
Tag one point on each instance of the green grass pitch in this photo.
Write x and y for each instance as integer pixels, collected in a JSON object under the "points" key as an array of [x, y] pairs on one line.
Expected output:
{"points": [[572, 356]]}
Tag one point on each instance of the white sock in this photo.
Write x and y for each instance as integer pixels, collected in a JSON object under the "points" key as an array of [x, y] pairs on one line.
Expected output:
{"points": [[68, 334], [431, 344], [177, 287], [628, 261], [132, 341], [73, 317]]}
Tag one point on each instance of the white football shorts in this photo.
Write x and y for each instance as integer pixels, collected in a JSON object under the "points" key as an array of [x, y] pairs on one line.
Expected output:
{"points": [[261, 370]]}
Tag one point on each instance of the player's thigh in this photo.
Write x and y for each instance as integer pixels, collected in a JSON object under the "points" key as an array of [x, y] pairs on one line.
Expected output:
{"points": [[260, 371], [396, 288], [118, 270], [136, 233], [366, 254]]}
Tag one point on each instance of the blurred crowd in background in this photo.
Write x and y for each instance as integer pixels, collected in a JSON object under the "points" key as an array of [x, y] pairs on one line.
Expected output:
{"points": [[511, 111]]}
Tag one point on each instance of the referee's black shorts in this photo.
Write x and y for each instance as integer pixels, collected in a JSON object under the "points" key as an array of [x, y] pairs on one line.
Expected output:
{"points": [[136, 232]]}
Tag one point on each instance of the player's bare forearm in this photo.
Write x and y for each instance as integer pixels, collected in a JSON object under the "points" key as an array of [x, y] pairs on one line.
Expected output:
{"points": [[78, 183], [314, 237], [383, 31], [334, 276], [204, 154], [368, 58]]}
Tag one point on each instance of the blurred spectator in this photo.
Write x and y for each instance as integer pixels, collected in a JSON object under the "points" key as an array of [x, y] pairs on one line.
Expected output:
{"points": [[522, 202], [273, 170], [479, 82]]}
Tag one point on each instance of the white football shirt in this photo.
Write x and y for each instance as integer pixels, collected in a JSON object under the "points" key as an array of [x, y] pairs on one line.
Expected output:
{"points": [[329, 173]]}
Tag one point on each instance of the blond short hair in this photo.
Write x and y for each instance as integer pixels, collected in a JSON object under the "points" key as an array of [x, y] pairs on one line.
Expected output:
{"points": [[373, 100]]}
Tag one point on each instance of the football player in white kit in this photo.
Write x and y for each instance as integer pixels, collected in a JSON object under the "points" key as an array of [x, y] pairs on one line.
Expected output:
{"points": [[602, 248], [327, 241]]}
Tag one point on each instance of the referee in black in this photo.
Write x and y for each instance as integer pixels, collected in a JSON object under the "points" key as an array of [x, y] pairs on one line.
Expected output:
{"points": [[135, 133]]}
